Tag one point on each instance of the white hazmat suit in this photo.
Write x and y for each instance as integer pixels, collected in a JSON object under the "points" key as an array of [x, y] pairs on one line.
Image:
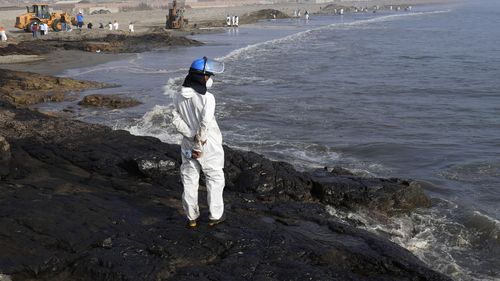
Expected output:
{"points": [[194, 117]]}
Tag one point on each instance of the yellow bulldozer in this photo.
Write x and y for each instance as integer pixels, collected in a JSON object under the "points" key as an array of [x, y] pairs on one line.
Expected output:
{"points": [[39, 13], [175, 17]]}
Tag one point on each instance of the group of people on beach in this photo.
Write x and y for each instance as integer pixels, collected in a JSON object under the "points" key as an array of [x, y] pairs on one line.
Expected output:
{"points": [[116, 26], [39, 29], [297, 14], [80, 23], [232, 21]]}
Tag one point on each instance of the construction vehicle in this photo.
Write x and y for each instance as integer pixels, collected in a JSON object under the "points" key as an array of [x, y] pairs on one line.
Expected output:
{"points": [[40, 14], [175, 17]]}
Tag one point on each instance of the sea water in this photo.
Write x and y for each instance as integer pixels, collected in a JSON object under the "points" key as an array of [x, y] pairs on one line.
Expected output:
{"points": [[394, 94]]}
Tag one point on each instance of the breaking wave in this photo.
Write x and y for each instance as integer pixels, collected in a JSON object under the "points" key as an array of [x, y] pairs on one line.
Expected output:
{"points": [[445, 237]]}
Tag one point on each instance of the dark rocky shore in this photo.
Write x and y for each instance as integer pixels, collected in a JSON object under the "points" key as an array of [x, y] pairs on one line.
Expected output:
{"points": [[97, 41], [25, 88], [84, 202]]}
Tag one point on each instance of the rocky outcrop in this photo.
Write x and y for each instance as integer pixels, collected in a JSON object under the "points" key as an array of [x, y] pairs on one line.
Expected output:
{"points": [[26, 88], [84, 202], [262, 15], [111, 101], [99, 41], [335, 8], [384, 195], [5, 156], [23, 49]]}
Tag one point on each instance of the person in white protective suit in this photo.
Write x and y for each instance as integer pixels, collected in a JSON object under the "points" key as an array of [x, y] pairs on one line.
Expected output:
{"points": [[201, 147]]}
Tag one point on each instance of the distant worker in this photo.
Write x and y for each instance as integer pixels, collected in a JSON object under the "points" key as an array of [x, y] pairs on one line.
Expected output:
{"points": [[131, 27], [46, 28], [228, 20], [34, 30], [233, 21], [110, 26], [306, 14], [42, 29], [89, 25], [201, 147], [79, 19], [236, 21], [101, 25], [63, 23], [3, 36], [115, 25]]}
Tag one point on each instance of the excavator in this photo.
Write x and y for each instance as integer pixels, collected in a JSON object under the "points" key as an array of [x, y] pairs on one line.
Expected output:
{"points": [[39, 13], [175, 17]]}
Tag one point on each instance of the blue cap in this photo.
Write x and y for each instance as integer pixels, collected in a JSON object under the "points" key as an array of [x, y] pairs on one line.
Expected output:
{"points": [[206, 66]]}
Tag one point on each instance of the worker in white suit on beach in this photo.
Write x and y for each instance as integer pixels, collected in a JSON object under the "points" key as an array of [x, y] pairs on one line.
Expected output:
{"points": [[201, 147]]}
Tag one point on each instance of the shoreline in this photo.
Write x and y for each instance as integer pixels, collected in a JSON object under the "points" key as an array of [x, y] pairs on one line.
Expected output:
{"points": [[210, 20]]}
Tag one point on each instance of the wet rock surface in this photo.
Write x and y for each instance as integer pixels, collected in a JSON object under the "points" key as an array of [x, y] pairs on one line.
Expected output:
{"points": [[23, 49], [26, 88], [110, 101], [5, 156], [97, 42], [83, 202], [385, 195]]}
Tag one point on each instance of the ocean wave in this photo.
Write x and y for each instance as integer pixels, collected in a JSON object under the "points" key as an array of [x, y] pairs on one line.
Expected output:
{"points": [[445, 237], [156, 123], [473, 172], [251, 50]]}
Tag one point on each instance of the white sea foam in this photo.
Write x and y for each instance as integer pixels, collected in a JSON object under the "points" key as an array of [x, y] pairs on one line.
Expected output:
{"points": [[173, 86], [4, 277], [432, 235], [156, 123]]}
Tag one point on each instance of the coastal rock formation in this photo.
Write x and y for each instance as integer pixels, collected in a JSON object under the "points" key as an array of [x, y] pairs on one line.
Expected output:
{"points": [[5, 156], [384, 195], [84, 202], [264, 14], [23, 49], [335, 8], [26, 88], [111, 101], [105, 42]]}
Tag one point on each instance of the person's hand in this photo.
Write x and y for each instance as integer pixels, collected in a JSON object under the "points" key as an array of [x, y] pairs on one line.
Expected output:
{"points": [[196, 140], [195, 154]]}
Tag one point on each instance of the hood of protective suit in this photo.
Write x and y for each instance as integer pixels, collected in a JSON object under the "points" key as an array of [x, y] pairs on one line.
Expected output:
{"points": [[187, 92], [197, 82]]}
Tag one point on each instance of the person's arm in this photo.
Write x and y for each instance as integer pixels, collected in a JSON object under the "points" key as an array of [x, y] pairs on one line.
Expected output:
{"points": [[181, 126], [207, 115]]}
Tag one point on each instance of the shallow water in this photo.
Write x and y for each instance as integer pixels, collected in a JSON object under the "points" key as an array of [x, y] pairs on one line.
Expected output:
{"points": [[408, 94]]}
